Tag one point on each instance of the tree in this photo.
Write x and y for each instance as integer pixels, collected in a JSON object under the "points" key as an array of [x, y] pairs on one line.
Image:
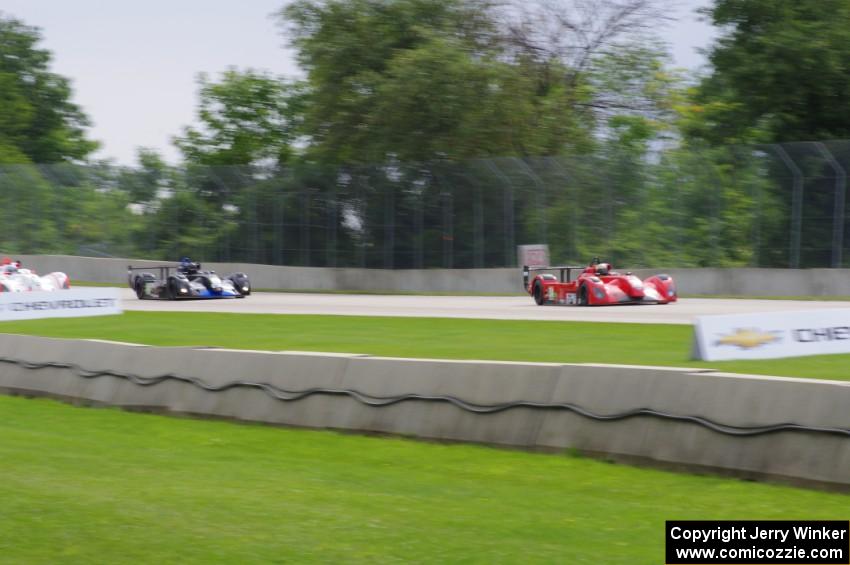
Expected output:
{"points": [[780, 75], [567, 40], [416, 80], [779, 72], [143, 182], [246, 117], [38, 121]]}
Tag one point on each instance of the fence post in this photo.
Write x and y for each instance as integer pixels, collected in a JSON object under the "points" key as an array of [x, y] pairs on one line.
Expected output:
{"points": [[364, 219], [279, 199], [796, 206], [305, 226], [539, 197], [331, 241], [510, 236], [448, 229], [389, 226], [573, 207], [419, 228], [758, 198], [838, 207]]}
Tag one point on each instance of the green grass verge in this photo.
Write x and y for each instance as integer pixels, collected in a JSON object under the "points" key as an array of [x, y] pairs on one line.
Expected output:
{"points": [[444, 338], [103, 486]]}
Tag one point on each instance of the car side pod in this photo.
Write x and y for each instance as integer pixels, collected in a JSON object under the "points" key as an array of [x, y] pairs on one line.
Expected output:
{"points": [[665, 286]]}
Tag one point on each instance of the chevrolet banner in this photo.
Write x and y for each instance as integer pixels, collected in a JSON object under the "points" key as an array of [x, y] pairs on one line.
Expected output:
{"points": [[70, 303], [772, 335]]}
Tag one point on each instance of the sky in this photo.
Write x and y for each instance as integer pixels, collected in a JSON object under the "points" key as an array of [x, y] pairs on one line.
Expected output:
{"points": [[134, 65]]}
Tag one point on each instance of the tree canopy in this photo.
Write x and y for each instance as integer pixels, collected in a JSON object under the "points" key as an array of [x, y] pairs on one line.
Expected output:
{"points": [[38, 121], [245, 117], [445, 132], [780, 71], [420, 80]]}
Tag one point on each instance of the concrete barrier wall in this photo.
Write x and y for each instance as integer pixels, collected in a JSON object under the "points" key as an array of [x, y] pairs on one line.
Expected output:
{"points": [[734, 400], [105, 270], [760, 282], [745, 282]]}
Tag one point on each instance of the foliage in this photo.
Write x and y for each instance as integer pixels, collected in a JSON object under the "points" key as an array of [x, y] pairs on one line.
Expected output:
{"points": [[433, 84], [249, 120], [779, 72], [246, 117], [38, 121], [444, 133], [144, 183]]}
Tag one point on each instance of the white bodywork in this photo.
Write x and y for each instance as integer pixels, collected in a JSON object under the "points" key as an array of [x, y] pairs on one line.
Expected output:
{"points": [[25, 280]]}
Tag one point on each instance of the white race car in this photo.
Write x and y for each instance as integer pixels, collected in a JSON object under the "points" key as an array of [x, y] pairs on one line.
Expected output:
{"points": [[14, 278]]}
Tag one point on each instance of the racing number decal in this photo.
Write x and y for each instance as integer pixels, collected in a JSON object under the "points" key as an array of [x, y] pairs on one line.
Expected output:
{"points": [[571, 298]]}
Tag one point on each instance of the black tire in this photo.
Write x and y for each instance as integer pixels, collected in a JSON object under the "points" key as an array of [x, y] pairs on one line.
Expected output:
{"points": [[139, 287], [539, 297], [239, 281], [172, 289], [582, 296]]}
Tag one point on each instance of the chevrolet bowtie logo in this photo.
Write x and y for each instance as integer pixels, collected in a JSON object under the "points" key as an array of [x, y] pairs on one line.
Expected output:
{"points": [[749, 338]]}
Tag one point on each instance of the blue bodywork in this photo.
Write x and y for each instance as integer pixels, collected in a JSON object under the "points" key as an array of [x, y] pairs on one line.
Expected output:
{"points": [[207, 293]]}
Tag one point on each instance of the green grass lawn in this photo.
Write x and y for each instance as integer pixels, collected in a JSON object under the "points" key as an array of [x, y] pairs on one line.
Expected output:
{"points": [[83, 485], [507, 340]]}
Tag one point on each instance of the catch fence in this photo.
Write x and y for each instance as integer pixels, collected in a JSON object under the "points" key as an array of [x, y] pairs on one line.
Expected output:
{"points": [[766, 206]]}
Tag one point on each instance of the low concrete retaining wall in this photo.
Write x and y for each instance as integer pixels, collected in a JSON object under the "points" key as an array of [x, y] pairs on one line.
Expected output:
{"points": [[759, 282], [92, 269], [745, 282], [465, 401]]}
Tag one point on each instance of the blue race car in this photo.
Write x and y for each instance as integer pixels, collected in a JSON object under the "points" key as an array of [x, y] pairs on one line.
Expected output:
{"points": [[186, 280]]}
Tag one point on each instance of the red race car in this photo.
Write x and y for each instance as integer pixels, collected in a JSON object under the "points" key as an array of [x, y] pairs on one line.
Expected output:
{"points": [[597, 285]]}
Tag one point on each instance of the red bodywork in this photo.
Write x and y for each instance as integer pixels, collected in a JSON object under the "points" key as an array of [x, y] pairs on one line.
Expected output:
{"points": [[597, 285]]}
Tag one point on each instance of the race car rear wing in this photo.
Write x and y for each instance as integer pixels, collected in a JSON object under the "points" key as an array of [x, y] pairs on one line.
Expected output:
{"points": [[565, 272], [164, 270]]}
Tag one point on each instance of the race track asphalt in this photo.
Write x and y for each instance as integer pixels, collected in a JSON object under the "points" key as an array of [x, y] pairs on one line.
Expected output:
{"points": [[496, 307]]}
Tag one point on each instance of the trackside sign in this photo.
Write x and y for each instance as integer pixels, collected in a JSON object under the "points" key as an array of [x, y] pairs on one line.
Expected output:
{"points": [[772, 335], [71, 303], [536, 255]]}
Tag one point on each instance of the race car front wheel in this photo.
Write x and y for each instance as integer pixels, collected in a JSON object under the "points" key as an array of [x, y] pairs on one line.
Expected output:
{"points": [[582, 296], [140, 288]]}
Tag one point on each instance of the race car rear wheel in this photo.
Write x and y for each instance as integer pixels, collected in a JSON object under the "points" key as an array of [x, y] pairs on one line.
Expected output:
{"points": [[539, 297]]}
